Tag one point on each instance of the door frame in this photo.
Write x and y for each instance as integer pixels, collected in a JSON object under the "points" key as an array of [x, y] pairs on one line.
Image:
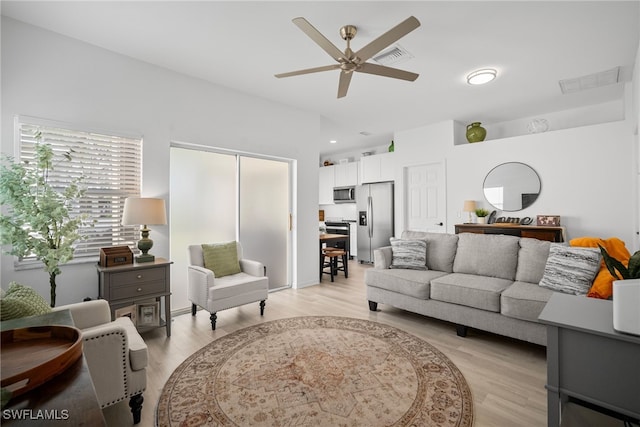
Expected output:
{"points": [[292, 168]]}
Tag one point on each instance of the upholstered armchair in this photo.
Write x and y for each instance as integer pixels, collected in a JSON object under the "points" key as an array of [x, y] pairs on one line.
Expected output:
{"points": [[213, 292], [115, 353]]}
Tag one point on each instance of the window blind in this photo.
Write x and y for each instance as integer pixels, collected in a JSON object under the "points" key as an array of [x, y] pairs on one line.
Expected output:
{"points": [[111, 170]]}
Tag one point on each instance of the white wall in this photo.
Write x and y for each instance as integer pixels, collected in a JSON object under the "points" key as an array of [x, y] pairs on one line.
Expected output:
{"points": [[587, 174], [50, 76]]}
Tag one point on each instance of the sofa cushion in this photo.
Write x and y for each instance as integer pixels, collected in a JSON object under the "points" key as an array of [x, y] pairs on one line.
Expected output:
{"points": [[415, 283], [441, 248], [489, 255], [408, 253], [524, 300], [467, 289], [532, 258], [570, 270]]}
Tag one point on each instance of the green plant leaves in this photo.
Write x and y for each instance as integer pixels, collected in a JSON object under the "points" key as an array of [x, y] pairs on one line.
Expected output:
{"points": [[618, 269]]}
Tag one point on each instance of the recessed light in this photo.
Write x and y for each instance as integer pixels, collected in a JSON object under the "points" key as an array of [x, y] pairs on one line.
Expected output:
{"points": [[480, 77], [333, 141]]}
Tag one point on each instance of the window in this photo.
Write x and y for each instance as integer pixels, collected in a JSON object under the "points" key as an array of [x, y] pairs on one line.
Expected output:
{"points": [[111, 170]]}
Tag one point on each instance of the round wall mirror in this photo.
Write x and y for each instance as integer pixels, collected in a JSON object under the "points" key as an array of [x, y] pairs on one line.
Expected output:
{"points": [[511, 186]]}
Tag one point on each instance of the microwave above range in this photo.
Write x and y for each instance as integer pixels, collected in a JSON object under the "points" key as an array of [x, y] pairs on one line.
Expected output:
{"points": [[344, 194]]}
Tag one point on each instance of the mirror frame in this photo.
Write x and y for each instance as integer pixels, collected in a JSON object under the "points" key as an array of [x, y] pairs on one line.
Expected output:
{"points": [[525, 204]]}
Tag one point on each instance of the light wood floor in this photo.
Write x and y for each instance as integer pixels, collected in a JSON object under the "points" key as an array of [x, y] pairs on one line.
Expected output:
{"points": [[506, 376]]}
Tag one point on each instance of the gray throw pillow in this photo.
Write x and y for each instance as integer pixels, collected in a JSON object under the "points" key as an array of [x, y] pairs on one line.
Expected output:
{"points": [[409, 254], [570, 269]]}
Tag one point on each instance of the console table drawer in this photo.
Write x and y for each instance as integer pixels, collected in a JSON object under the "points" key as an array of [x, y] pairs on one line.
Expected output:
{"points": [[137, 277], [137, 290]]}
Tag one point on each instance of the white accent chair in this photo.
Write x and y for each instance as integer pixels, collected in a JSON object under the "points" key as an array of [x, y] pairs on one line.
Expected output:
{"points": [[220, 293], [115, 352]]}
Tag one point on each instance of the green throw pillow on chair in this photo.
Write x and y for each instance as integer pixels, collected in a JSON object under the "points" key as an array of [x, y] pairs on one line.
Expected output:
{"points": [[21, 301], [221, 258]]}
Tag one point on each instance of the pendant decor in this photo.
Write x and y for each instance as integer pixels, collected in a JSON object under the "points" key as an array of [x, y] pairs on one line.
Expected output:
{"points": [[475, 132]]}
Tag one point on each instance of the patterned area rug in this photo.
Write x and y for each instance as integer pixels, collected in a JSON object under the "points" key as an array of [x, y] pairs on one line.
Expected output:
{"points": [[317, 371]]}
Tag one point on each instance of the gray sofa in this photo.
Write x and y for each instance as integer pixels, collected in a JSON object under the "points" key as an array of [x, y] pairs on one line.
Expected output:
{"points": [[484, 281]]}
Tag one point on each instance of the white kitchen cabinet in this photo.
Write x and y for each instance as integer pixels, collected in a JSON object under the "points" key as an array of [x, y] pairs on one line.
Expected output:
{"points": [[377, 168], [326, 182], [346, 174]]}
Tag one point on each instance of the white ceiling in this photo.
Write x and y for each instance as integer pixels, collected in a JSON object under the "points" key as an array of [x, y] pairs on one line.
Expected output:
{"points": [[242, 44]]}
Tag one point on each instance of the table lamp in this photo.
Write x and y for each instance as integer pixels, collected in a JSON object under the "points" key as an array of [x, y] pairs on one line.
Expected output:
{"points": [[144, 211], [469, 206]]}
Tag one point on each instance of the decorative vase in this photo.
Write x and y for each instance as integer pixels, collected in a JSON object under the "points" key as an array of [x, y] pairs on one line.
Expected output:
{"points": [[626, 317], [475, 132], [392, 147]]}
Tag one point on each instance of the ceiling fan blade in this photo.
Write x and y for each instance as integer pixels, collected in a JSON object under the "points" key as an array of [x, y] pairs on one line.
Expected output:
{"points": [[381, 70], [309, 70], [391, 36], [321, 40], [343, 85]]}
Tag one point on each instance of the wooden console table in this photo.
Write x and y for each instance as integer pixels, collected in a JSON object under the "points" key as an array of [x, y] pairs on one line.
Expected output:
{"points": [[551, 234], [588, 362], [67, 399]]}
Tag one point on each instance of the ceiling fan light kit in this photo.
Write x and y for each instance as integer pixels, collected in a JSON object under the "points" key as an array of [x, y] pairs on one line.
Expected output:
{"points": [[348, 61], [480, 77]]}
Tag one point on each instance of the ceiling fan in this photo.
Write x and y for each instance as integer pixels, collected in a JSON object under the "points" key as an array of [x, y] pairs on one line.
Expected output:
{"points": [[349, 61]]}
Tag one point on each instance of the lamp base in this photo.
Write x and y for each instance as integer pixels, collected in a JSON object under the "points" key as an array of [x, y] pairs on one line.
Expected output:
{"points": [[145, 258]]}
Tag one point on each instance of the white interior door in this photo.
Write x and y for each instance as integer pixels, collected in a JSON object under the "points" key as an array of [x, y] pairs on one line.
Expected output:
{"points": [[425, 197]]}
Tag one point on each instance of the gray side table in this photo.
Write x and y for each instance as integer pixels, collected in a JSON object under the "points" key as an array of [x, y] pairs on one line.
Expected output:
{"points": [[587, 359], [129, 284]]}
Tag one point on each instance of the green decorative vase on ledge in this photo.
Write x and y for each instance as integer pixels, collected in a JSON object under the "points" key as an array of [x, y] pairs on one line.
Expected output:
{"points": [[392, 147], [475, 132]]}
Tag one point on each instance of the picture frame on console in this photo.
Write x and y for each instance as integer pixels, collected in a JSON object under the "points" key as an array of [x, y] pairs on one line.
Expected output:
{"points": [[548, 220]]}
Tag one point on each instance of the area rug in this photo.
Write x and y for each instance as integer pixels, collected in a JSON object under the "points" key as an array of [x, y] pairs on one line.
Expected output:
{"points": [[316, 371]]}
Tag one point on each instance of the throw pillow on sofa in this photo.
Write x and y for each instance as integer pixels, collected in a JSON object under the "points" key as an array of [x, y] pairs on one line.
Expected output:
{"points": [[408, 253], [570, 270], [21, 301], [602, 286]]}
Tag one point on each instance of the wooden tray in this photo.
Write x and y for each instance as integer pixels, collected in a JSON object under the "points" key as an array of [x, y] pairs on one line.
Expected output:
{"points": [[32, 356]]}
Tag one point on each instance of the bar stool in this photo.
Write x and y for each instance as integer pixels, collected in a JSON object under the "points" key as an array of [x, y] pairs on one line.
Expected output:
{"points": [[337, 262]]}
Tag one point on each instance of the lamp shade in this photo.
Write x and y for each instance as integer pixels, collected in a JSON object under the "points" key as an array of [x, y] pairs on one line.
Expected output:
{"points": [[469, 206], [144, 211]]}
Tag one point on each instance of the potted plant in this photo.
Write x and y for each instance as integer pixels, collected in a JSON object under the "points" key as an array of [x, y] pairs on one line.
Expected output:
{"points": [[38, 221], [626, 292], [481, 213]]}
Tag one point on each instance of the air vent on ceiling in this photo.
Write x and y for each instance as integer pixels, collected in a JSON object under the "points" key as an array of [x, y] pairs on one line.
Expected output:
{"points": [[394, 55], [591, 81]]}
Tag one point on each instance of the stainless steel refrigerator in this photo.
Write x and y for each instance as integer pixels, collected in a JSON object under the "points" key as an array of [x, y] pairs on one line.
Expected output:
{"points": [[374, 204]]}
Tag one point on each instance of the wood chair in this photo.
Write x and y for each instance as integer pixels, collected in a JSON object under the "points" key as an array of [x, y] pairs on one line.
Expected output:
{"points": [[337, 262]]}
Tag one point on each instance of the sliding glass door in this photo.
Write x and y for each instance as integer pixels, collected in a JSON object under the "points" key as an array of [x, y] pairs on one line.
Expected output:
{"points": [[264, 215], [217, 197]]}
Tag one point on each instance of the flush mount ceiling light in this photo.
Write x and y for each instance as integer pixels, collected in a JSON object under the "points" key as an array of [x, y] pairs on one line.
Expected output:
{"points": [[333, 141], [480, 77]]}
